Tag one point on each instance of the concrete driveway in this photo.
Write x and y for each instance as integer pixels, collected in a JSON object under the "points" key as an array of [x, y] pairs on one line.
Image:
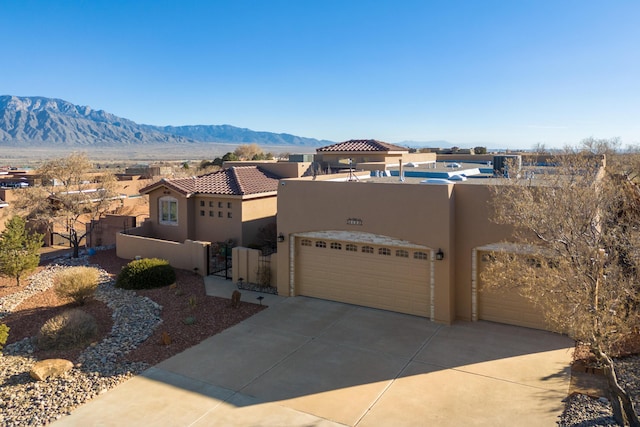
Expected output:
{"points": [[309, 362]]}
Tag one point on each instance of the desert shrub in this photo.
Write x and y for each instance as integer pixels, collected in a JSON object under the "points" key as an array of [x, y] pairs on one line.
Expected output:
{"points": [[4, 334], [77, 283], [72, 328], [146, 273]]}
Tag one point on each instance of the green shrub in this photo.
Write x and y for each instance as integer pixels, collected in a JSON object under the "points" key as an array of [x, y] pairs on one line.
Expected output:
{"points": [[146, 273], [73, 328], [4, 334], [77, 283]]}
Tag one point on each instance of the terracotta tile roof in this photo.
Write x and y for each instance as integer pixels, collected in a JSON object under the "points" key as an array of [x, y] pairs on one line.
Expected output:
{"points": [[235, 181], [360, 145]]}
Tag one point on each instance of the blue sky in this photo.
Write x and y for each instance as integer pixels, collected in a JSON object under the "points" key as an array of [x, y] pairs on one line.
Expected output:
{"points": [[498, 73]]}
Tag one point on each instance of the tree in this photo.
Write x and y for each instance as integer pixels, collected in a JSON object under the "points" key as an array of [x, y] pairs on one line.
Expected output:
{"points": [[575, 253], [69, 199], [480, 150], [248, 151], [229, 157], [19, 249]]}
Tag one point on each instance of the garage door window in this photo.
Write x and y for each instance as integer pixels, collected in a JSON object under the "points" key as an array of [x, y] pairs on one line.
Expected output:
{"points": [[419, 255], [384, 251], [305, 242], [336, 245], [402, 253], [321, 244], [367, 249], [351, 248]]}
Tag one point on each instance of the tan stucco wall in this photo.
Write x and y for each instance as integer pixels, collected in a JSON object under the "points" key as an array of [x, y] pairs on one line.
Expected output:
{"points": [[474, 228], [420, 214], [257, 213], [419, 157], [465, 157], [246, 262], [217, 228], [176, 233], [186, 256], [282, 169]]}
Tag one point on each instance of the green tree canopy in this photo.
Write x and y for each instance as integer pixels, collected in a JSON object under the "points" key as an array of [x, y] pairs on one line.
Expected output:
{"points": [[19, 249]]}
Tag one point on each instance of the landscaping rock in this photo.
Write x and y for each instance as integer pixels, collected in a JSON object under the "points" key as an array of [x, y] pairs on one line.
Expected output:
{"points": [[50, 368]]}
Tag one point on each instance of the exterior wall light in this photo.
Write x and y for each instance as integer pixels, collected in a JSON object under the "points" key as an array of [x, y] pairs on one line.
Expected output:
{"points": [[439, 255], [280, 238]]}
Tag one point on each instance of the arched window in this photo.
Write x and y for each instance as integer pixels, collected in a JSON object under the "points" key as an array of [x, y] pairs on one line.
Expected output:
{"points": [[384, 251], [367, 249], [336, 245], [351, 247], [402, 253], [321, 244], [168, 211], [305, 242]]}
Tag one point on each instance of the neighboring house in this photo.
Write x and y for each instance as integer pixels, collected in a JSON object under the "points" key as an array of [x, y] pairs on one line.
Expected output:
{"points": [[368, 154], [231, 204]]}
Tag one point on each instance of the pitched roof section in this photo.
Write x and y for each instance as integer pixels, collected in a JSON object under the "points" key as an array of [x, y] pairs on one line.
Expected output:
{"points": [[361, 145], [235, 181]]}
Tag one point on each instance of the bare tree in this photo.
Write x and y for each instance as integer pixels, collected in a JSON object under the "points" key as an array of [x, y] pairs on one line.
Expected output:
{"points": [[248, 151], [575, 253], [69, 198]]}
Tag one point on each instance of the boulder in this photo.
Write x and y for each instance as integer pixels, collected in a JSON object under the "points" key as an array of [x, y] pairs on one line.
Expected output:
{"points": [[50, 368]]}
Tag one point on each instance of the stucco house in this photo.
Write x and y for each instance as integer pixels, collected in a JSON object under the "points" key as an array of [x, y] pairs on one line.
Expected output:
{"points": [[230, 204], [383, 240], [367, 154], [397, 244]]}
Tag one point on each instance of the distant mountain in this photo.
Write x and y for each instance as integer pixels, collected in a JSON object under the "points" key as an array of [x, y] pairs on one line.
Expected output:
{"points": [[39, 121]]}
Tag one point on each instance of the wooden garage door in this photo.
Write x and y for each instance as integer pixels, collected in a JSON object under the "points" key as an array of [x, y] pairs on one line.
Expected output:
{"points": [[389, 278], [504, 306]]}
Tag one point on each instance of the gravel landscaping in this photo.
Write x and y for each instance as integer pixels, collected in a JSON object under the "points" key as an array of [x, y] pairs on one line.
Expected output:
{"points": [[131, 326]]}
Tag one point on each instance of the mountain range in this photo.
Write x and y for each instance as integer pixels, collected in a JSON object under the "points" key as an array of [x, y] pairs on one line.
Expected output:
{"points": [[50, 122]]}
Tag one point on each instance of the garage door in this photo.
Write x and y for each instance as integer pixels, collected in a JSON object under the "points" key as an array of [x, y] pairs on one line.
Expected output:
{"points": [[394, 278], [504, 306]]}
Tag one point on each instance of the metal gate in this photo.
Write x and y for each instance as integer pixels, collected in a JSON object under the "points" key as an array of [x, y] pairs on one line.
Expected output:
{"points": [[220, 262]]}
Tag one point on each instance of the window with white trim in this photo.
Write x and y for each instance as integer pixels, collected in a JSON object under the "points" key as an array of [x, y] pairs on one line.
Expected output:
{"points": [[168, 211]]}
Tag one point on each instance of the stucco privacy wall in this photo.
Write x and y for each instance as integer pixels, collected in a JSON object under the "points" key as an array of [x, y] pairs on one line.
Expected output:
{"points": [[419, 214], [186, 256], [246, 262]]}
